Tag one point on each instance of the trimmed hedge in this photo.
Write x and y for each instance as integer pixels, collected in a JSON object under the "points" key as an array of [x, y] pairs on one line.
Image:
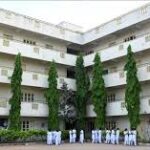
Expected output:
{"points": [[24, 136]]}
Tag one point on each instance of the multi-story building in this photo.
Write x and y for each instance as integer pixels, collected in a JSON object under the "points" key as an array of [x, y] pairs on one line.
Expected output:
{"points": [[41, 42]]}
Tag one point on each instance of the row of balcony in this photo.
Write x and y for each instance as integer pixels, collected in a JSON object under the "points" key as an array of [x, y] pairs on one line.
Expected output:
{"points": [[37, 26], [120, 50], [39, 109], [34, 79], [132, 18], [27, 23], [40, 80], [118, 108], [12, 47]]}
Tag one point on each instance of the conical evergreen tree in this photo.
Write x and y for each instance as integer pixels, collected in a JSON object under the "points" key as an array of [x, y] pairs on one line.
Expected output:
{"points": [[98, 90], [133, 88], [52, 97], [15, 100], [82, 84]]}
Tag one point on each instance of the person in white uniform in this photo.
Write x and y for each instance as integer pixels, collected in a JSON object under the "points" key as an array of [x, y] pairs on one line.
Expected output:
{"points": [[112, 136], [134, 134], [70, 136], [130, 138], [99, 140], [56, 138], [126, 137], [81, 136], [93, 136], [74, 135], [49, 138], [59, 137], [117, 136], [108, 136]]}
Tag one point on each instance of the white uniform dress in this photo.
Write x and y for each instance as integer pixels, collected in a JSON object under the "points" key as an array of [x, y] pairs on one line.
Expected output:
{"points": [[108, 136], [117, 136], [59, 137], [134, 134], [81, 136], [130, 138], [112, 136], [126, 138], [93, 136], [70, 136], [49, 138], [99, 136], [56, 138], [74, 136]]}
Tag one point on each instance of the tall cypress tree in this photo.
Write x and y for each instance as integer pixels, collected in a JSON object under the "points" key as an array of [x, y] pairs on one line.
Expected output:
{"points": [[82, 84], [133, 88], [98, 90], [15, 100], [52, 97]]}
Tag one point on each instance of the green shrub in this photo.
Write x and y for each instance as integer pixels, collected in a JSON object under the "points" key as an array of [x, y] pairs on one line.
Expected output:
{"points": [[21, 136], [65, 135]]}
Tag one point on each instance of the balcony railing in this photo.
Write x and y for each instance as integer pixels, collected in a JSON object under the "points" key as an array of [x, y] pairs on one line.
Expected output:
{"points": [[117, 108], [140, 44], [40, 80], [30, 78], [13, 47]]}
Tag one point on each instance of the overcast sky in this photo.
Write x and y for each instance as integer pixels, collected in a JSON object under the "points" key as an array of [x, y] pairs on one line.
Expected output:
{"points": [[87, 14]]}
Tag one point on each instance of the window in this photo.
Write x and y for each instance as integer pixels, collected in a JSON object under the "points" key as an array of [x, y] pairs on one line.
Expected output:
{"points": [[111, 98], [111, 44], [29, 42], [25, 125], [27, 97], [8, 36], [90, 125], [132, 37], [89, 52], [110, 124], [105, 71], [32, 97], [49, 46]]}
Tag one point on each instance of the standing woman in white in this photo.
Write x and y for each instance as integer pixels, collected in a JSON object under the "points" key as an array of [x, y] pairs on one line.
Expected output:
{"points": [[81, 136], [117, 136], [49, 138], [112, 136], [70, 136], [92, 136], [108, 136], [134, 136], [100, 135], [126, 137]]}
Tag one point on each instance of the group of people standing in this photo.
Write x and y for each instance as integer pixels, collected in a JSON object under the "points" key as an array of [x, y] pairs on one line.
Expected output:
{"points": [[130, 137], [54, 137], [109, 136]]}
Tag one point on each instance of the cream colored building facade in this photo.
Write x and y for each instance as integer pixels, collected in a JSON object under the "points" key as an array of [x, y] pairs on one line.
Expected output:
{"points": [[41, 42]]}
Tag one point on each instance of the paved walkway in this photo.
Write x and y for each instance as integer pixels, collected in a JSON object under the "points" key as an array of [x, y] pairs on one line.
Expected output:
{"points": [[87, 146]]}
